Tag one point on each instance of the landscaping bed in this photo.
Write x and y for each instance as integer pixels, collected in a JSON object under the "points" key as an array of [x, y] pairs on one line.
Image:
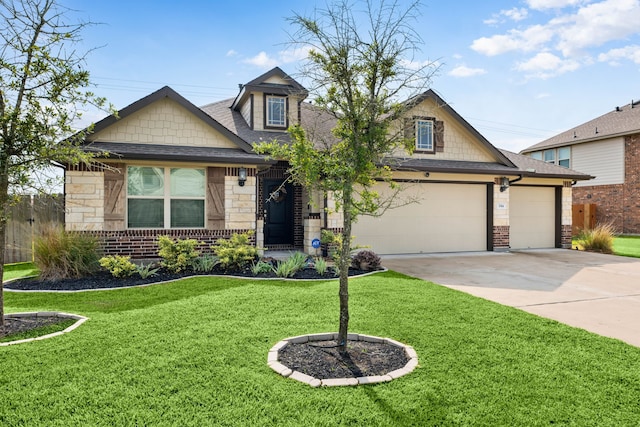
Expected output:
{"points": [[104, 279]]}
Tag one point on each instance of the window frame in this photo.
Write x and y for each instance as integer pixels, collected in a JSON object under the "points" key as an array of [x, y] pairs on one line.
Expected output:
{"points": [[167, 197], [269, 123], [431, 121], [557, 157]]}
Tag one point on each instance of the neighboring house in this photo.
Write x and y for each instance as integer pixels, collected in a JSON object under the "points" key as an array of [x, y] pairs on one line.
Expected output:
{"points": [[179, 170], [608, 148]]}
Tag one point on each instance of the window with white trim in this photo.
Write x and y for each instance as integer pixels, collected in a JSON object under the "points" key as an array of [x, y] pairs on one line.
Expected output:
{"points": [[558, 156], [424, 135], [165, 197], [276, 111]]}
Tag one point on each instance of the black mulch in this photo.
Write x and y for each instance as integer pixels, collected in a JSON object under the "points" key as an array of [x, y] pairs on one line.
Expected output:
{"points": [[322, 360], [16, 325], [104, 280]]}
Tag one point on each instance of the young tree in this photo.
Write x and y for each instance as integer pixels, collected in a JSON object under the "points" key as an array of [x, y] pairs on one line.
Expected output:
{"points": [[359, 66], [42, 87]]}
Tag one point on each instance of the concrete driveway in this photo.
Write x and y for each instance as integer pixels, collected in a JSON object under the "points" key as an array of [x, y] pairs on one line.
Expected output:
{"points": [[599, 293]]}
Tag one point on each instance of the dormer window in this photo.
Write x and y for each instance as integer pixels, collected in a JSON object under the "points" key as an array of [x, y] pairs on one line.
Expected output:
{"points": [[276, 111]]}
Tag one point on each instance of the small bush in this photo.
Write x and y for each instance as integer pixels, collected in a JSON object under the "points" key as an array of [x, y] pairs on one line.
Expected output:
{"points": [[296, 262], [235, 253], [60, 254], [146, 271], [366, 260], [205, 263], [598, 239], [118, 265], [179, 255], [321, 266], [261, 267]]}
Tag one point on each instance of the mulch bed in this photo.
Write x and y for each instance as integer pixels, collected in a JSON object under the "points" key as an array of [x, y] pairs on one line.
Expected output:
{"points": [[104, 279], [322, 360], [23, 324]]}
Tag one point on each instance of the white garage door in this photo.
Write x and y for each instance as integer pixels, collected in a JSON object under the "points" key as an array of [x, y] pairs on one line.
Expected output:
{"points": [[532, 212], [445, 218]]}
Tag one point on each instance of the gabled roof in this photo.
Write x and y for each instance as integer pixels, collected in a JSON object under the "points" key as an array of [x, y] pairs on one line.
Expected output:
{"points": [[167, 92], [619, 122], [430, 94], [259, 84]]}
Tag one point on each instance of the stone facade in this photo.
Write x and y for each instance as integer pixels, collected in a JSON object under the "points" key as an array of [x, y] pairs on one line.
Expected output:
{"points": [[84, 200], [619, 204], [240, 203]]}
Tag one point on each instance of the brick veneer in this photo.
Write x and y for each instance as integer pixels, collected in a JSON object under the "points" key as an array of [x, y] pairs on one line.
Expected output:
{"points": [[565, 237], [140, 244], [500, 237], [609, 200], [618, 204]]}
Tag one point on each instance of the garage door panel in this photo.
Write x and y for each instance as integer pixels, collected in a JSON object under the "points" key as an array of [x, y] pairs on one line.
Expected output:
{"points": [[532, 217], [445, 218]]}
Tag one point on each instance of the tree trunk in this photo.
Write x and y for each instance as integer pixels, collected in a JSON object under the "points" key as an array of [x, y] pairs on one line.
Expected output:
{"points": [[4, 210], [343, 264]]}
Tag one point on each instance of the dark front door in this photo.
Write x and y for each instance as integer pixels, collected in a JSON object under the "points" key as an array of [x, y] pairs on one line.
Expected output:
{"points": [[278, 223]]}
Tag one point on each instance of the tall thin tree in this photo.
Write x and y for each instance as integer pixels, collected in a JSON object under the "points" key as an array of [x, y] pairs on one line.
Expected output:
{"points": [[361, 63], [43, 85]]}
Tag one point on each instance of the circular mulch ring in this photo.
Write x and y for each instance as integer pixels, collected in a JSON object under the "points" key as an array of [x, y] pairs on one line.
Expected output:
{"points": [[315, 360], [20, 322]]}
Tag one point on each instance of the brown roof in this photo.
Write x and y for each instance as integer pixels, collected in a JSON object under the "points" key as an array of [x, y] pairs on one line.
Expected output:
{"points": [[134, 151], [523, 165], [619, 122]]}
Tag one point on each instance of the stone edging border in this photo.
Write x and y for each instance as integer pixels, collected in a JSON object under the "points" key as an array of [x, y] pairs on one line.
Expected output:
{"points": [[80, 321], [273, 363], [189, 277]]}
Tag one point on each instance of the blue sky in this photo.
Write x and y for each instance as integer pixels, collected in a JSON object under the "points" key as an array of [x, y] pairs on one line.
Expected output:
{"points": [[518, 71]]}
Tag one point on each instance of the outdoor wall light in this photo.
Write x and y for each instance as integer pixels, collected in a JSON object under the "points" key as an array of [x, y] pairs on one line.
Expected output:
{"points": [[242, 176], [504, 183], [426, 174]]}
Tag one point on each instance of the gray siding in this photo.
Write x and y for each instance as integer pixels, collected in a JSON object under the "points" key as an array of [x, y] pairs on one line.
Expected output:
{"points": [[602, 159]]}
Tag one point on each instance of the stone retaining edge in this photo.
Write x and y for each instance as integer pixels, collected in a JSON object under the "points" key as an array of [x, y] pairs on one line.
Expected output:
{"points": [[80, 321], [273, 362]]}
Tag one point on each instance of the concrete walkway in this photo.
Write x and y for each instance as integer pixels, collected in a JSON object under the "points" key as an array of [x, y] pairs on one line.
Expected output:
{"points": [[599, 293]]}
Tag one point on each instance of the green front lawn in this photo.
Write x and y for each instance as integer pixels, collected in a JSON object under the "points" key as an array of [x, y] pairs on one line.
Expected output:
{"points": [[627, 246], [194, 352], [20, 269]]}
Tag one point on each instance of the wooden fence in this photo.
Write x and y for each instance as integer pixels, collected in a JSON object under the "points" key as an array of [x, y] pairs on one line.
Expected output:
{"points": [[27, 219], [583, 217]]}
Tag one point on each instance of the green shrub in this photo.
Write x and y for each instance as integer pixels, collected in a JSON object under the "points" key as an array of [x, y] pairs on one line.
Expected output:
{"points": [[236, 252], [366, 260], [296, 262], [118, 265], [205, 263], [148, 270], [261, 267], [321, 266], [179, 255], [598, 239], [60, 254]]}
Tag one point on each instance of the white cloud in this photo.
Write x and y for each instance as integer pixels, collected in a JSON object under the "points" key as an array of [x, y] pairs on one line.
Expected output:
{"points": [[571, 38], [464, 71], [532, 38], [631, 53], [293, 55], [552, 4], [513, 14], [262, 60], [416, 65], [232, 53], [545, 65], [543, 95], [596, 24]]}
